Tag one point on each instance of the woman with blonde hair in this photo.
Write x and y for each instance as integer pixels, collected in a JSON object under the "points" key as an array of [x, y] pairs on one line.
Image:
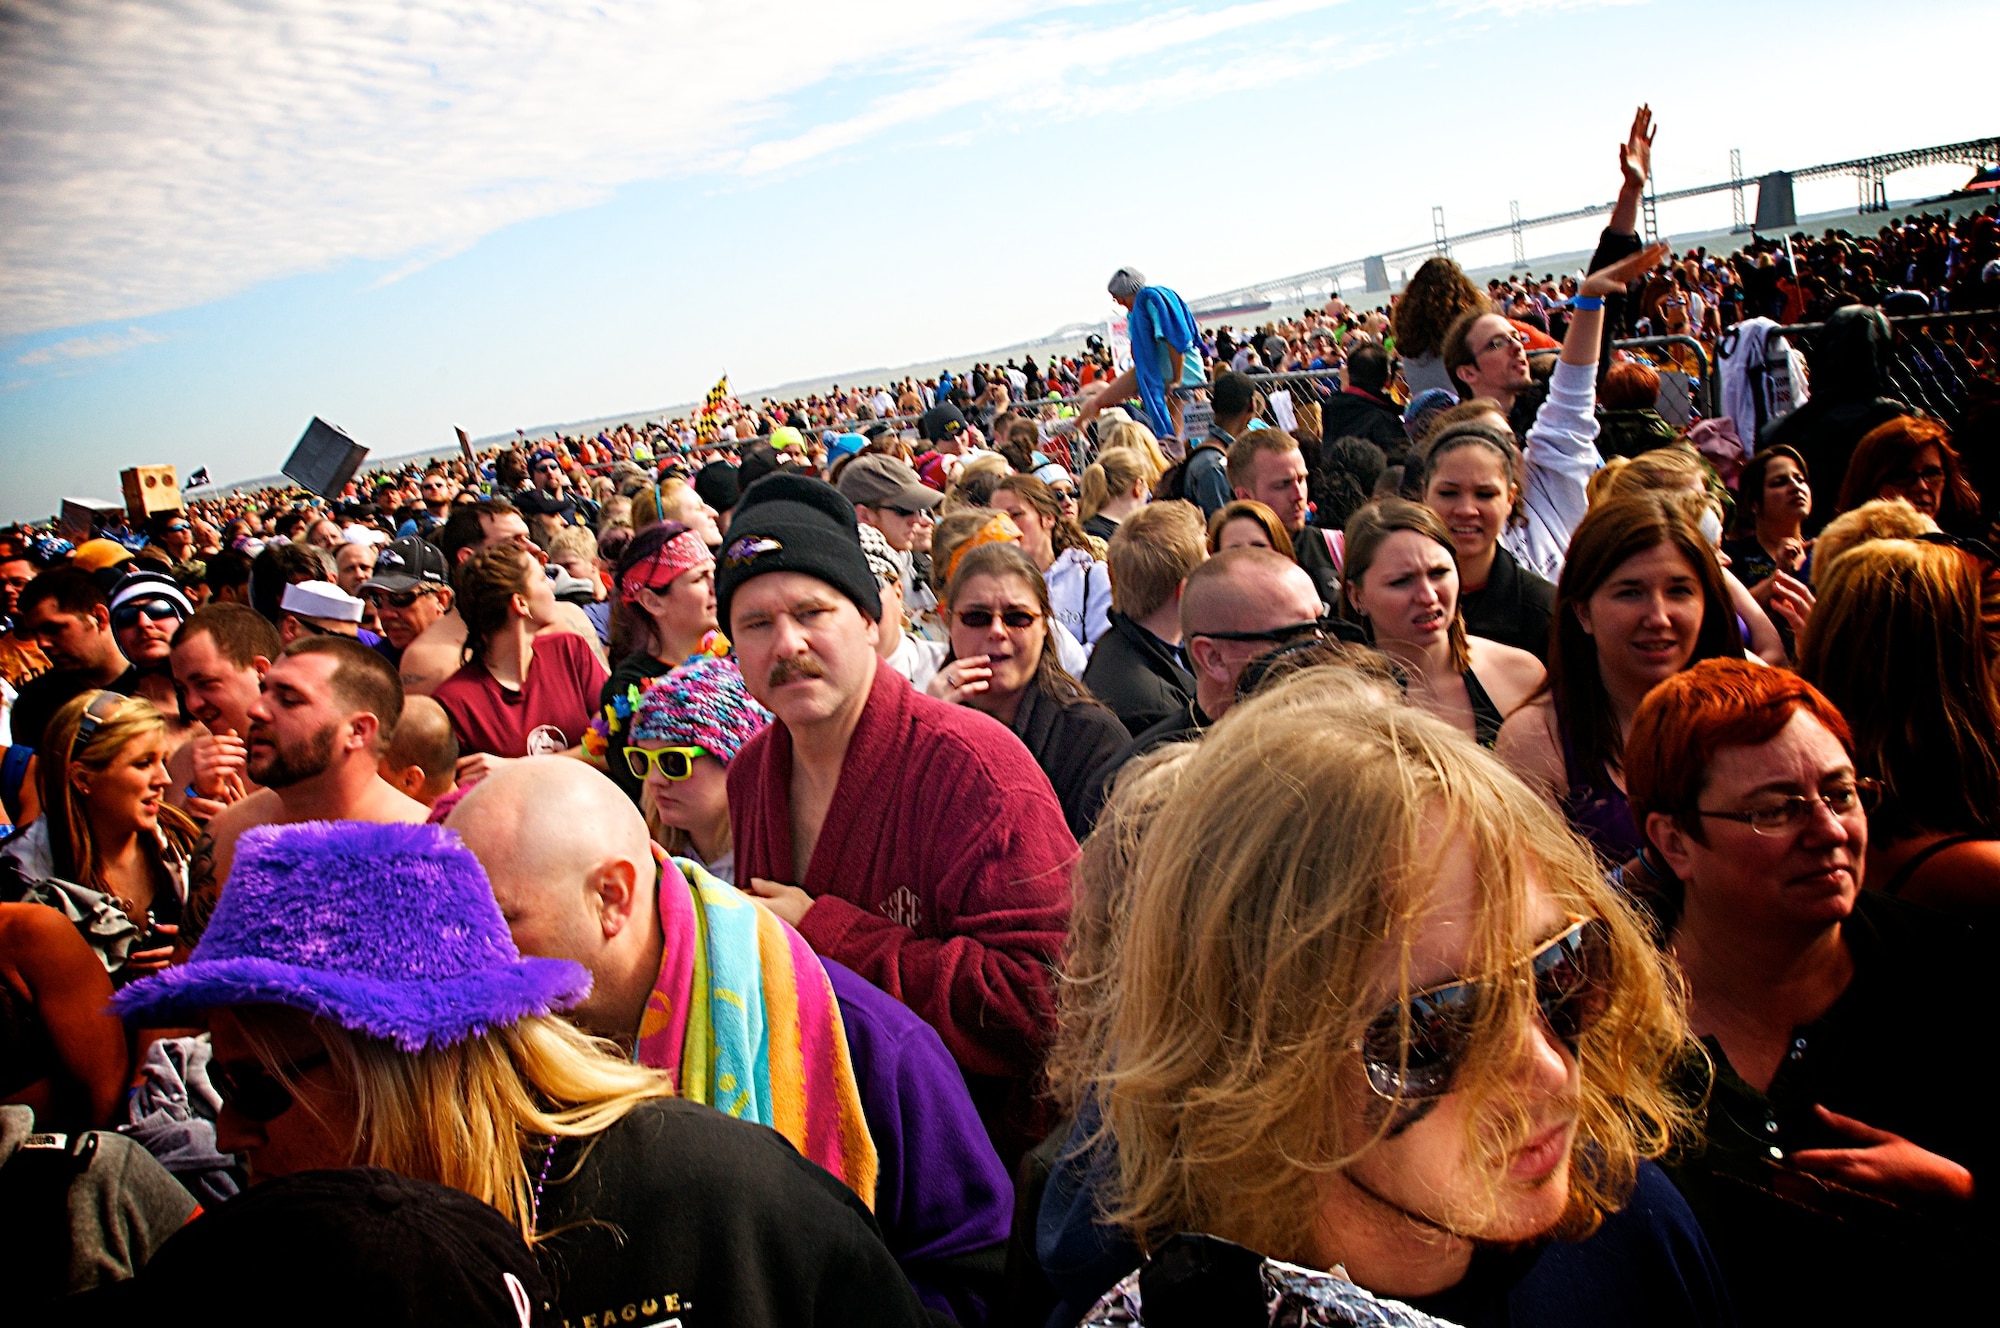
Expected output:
{"points": [[1129, 433], [369, 1008], [107, 851], [1899, 645], [1374, 1010], [1114, 486]]}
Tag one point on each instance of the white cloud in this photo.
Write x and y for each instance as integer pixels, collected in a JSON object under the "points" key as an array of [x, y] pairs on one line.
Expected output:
{"points": [[164, 155], [83, 348]]}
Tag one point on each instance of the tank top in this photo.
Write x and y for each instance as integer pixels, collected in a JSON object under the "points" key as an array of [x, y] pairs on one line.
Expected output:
{"points": [[1596, 807], [1914, 863], [1486, 716]]}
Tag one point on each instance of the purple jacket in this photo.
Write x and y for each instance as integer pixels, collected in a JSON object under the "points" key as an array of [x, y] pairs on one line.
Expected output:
{"points": [[942, 1198]]}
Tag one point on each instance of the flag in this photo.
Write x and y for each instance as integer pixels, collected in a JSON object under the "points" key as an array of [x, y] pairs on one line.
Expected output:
{"points": [[705, 424], [199, 479]]}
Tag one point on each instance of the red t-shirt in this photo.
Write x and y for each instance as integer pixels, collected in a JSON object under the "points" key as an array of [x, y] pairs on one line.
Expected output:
{"points": [[557, 697]]}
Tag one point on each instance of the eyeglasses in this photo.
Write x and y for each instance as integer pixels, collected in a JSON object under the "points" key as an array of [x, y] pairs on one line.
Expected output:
{"points": [[1788, 814], [1505, 341], [1413, 1048], [398, 599], [983, 618], [128, 615], [1909, 479], [179, 528], [253, 1091], [673, 763], [906, 513], [1276, 636]]}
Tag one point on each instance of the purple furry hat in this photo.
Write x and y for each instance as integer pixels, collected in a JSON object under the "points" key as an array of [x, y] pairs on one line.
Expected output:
{"points": [[388, 930]]}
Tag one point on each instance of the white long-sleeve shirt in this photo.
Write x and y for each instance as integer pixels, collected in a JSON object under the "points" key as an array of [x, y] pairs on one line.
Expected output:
{"points": [[1561, 457], [1080, 594]]}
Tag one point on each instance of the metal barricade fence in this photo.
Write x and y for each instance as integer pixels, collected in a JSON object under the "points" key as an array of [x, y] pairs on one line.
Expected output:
{"points": [[1672, 355], [1940, 364]]}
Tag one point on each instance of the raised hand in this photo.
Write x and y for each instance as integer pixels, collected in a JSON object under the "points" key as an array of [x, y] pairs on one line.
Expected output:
{"points": [[1635, 154]]}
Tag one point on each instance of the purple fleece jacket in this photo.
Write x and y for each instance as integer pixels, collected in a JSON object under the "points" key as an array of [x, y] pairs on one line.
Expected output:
{"points": [[941, 1192]]}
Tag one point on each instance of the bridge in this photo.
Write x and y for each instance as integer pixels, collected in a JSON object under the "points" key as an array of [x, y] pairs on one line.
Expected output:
{"points": [[1871, 175]]}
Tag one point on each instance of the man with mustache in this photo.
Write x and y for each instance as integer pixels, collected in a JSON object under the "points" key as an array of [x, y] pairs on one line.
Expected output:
{"points": [[916, 842], [325, 713]]}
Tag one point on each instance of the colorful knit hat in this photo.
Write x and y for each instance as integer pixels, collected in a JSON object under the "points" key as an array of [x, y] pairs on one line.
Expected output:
{"points": [[387, 930], [704, 704]]}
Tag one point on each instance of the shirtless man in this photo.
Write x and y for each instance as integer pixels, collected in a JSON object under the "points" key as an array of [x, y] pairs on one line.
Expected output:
{"points": [[328, 708], [474, 528]]}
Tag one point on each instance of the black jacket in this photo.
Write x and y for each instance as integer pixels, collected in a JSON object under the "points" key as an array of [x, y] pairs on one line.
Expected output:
{"points": [[1069, 742], [1137, 674], [1310, 552], [679, 1212], [1365, 415], [1183, 725], [1514, 607]]}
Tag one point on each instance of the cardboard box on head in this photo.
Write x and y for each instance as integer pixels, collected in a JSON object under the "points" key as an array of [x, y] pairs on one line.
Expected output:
{"points": [[150, 489], [325, 459]]}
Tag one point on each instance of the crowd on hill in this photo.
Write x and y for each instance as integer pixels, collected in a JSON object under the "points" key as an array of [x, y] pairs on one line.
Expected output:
{"points": [[1127, 839]]}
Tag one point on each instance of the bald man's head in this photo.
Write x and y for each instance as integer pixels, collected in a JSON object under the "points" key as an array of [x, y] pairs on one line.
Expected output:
{"points": [[1247, 590], [423, 755], [572, 869]]}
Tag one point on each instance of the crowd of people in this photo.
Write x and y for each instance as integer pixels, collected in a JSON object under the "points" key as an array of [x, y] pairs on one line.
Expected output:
{"points": [[1434, 843]]}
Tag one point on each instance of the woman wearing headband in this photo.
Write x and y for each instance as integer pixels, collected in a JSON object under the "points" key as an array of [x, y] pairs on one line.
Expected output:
{"points": [[1373, 1011], [107, 850], [662, 616]]}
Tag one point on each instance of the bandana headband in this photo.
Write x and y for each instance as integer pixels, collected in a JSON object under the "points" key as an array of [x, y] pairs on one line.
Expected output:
{"points": [[999, 530], [681, 554]]}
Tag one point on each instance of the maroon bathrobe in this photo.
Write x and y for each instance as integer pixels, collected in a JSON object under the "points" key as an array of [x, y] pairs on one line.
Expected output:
{"points": [[942, 873]]}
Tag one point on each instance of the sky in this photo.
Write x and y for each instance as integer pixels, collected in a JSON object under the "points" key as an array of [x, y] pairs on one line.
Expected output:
{"points": [[219, 220]]}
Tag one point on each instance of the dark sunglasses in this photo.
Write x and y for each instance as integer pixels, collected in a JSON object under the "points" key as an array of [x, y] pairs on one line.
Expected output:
{"points": [[253, 1091], [1276, 636], [128, 615], [983, 618], [674, 763], [397, 599], [1571, 974]]}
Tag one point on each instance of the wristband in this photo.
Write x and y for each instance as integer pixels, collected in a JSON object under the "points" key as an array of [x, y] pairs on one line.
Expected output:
{"points": [[1588, 303], [189, 792]]}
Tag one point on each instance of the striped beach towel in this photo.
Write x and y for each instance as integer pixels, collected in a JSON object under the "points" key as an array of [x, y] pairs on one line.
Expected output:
{"points": [[744, 1019]]}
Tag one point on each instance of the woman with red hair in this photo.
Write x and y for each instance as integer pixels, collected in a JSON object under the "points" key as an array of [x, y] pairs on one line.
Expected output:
{"points": [[1832, 1187], [1912, 458]]}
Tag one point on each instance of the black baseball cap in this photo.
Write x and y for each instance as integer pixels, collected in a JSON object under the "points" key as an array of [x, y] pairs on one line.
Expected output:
{"points": [[407, 563], [360, 1245], [942, 421]]}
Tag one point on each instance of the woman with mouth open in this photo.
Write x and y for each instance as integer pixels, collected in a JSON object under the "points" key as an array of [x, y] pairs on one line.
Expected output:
{"points": [[1401, 583], [1641, 598], [1379, 1032], [996, 607]]}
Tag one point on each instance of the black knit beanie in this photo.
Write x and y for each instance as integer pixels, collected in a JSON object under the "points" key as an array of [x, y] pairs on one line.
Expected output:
{"points": [[792, 523]]}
